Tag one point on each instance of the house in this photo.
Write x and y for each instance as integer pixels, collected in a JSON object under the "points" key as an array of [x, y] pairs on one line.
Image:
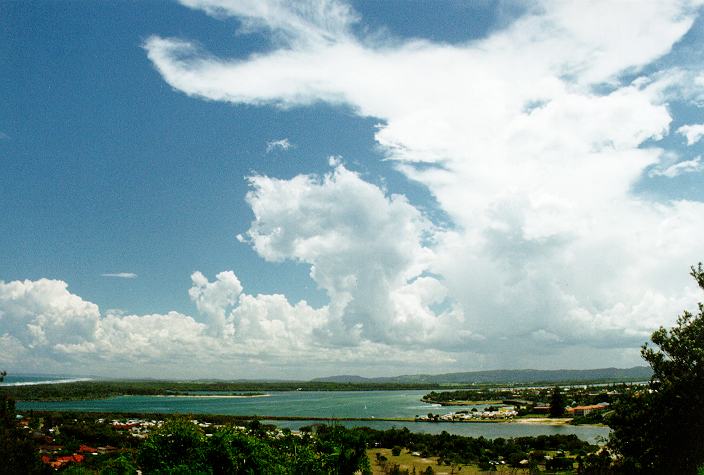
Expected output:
{"points": [[520, 403], [86, 449], [584, 410], [62, 460]]}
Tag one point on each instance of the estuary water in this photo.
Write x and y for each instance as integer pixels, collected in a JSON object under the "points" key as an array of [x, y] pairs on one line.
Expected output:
{"points": [[332, 404]]}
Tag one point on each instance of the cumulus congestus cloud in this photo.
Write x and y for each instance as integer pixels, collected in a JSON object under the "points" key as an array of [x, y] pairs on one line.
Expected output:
{"points": [[367, 250], [535, 135], [531, 139]]}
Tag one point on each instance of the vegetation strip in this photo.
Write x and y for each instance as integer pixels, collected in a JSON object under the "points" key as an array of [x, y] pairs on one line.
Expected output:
{"points": [[89, 390]]}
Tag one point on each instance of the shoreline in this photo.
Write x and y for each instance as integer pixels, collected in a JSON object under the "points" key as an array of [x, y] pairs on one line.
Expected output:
{"points": [[462, 403], [536, 421], [544, 421]]}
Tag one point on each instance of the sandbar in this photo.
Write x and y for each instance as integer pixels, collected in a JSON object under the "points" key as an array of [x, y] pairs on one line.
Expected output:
{"points": [[541, 421], [229, 396]]}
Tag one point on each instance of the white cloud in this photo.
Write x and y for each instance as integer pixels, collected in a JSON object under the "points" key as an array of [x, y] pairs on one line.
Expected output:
{"points": [[281, 144], [45, 327], [693, 132], [304, 22], [679, 168], [213, 299], [42, 321], [529, 140], [366, 250], [121, 275], [44, 313]]}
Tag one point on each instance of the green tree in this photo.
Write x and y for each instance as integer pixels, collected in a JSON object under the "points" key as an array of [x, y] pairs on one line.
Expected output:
{"points": [[18, 454], [120, 465], [658, 429], [230, 451], [343, 451], [557, 403], [176, 447]]}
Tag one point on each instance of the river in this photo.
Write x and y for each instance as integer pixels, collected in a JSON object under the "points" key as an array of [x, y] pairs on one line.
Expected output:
{"points": [[332, 404]]}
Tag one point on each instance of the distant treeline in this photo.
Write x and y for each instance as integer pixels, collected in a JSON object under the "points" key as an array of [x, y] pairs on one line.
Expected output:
{"points": [[106, 389], [511, 376], [469, 395], [582, 395]]}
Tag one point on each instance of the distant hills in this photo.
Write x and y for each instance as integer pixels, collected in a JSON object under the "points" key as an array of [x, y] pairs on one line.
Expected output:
{"points": [[520, 376]]}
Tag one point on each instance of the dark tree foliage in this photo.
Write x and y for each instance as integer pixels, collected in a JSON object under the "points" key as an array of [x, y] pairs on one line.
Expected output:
{"points": [[468, 395], [232, 451], [557, 403], [181, 447], [659, 429], [344, 450], [18, 453], [466, 450], [559, 463], [120, 465], [178, 446]]}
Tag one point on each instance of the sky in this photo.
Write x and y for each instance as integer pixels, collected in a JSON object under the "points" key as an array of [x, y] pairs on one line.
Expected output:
{"points": [[269, 189]]}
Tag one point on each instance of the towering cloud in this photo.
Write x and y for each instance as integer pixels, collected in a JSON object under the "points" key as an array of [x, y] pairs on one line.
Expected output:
{"points": [[533, 142], [530, 139], [366, 250]]}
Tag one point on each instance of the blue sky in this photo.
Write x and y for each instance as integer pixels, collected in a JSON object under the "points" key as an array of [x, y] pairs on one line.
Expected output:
{"points": [[459, 177]]}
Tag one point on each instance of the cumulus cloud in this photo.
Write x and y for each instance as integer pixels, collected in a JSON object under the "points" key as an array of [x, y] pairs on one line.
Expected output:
{"points": [[530, 139], [693, 132], [43, 326], [213, 299], [367, 250], [370, 251], [121, 275], [44, 313], [281, 144]]}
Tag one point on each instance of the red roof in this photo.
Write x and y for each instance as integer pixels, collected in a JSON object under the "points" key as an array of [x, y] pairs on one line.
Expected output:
{"points": [[62, 460], [78, 458]]}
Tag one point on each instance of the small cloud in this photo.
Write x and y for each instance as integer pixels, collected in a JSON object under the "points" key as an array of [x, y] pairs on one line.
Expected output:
{"points": [[282, 144], [117, 312], [545, 336], [121, 275], [680, 168], [4, 136], [335, 160], [693, 132]]}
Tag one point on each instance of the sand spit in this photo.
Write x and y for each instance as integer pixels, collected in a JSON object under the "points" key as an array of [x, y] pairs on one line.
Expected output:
{"points": [[218, 396]]}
